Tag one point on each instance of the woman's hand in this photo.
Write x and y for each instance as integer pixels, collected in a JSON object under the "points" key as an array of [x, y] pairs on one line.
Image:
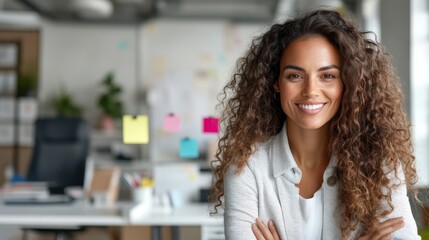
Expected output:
{"points": [[384, 230], [263, 232]]}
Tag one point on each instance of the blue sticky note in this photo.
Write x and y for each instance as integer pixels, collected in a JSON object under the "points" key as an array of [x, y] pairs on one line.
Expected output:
{"points": [[122, 45], [188, 148]]}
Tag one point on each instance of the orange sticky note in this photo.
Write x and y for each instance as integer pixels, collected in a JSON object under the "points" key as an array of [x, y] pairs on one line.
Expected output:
{"points": [[135, 129]]}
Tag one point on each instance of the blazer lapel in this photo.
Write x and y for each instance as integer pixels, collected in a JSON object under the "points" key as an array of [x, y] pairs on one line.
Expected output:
{"points": [[290, 208], [287, 175], [330, 196]]}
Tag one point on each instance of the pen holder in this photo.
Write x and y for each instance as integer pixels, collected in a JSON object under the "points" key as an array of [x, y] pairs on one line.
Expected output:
{"points": [[143, 194]]}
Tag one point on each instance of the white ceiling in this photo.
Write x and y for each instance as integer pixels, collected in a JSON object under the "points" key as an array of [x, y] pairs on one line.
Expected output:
{"points": [[136, 11], [132, 11]]}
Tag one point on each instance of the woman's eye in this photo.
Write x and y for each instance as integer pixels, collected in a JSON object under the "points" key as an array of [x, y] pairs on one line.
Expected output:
{"points": [[293, 76], [328, 76]]}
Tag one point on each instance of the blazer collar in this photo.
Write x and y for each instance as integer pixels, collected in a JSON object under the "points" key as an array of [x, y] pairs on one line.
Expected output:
{"points": [[283, 161]]}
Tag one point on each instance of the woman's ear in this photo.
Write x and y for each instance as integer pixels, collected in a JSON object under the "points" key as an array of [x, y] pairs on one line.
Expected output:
{"points": [[276, 87]]}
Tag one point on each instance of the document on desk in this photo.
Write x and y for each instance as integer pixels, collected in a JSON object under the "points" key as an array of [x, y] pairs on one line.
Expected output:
{"points": [[51, 199], [24, 190], [30, 193]]}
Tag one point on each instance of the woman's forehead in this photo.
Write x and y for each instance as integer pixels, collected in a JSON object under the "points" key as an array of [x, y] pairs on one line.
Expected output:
{"points": [[313, 50]]}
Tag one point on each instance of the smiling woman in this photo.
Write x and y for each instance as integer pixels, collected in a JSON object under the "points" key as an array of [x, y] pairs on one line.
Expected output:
{"points": [[315, 144]]}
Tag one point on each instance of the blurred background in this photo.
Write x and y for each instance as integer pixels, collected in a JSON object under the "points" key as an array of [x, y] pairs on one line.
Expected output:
{"points": [[161, 58]]}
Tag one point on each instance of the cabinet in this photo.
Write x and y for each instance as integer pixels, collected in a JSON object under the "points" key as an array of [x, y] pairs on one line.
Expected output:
{"points": [[9, 70], [212, 232], [19, 58]]}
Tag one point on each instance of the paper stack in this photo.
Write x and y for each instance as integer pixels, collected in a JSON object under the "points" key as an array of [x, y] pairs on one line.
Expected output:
{"points": [[24, 190]]}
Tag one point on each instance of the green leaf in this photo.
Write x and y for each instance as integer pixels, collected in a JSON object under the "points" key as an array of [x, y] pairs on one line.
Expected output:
{"points": [[109, 101], [64, 105]]}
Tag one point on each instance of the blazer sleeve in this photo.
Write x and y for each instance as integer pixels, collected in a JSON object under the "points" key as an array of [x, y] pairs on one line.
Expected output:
{"points": [[402, 208], [241, 203]]}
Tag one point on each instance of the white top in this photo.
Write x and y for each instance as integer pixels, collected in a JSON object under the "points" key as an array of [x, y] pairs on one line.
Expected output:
{"points": [[312, 215]]}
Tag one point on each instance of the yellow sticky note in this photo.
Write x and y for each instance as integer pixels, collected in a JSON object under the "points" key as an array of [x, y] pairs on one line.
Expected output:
{"points": [[135, 129]]}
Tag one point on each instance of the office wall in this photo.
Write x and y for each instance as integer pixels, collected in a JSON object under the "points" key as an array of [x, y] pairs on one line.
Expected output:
{"points": [[395, 29], [184, 65], [197, 57], [396, 35], [419, 86], [78, 56]]}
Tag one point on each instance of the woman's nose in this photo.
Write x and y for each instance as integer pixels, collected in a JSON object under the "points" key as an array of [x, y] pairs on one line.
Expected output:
{"points": [[310, 88]]}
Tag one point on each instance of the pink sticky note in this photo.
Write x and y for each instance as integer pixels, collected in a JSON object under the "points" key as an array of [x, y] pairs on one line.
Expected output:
{"points": [[171, 123], [211, 125]]}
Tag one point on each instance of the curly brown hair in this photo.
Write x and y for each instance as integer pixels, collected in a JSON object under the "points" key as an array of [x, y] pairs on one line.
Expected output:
{"points": [[369, 134]]}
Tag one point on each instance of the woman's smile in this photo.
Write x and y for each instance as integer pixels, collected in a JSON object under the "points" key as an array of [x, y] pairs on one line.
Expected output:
{"points": [[310, 108]]}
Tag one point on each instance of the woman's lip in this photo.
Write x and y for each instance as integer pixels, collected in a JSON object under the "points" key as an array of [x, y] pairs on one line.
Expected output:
{"points": [[310, 103]]}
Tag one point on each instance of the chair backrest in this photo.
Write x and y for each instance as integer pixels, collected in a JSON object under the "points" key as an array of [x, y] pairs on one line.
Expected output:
{"points": [[60, 152]]}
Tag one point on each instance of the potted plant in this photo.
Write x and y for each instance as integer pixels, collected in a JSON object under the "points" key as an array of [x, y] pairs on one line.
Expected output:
{"points": [[64, 105], [110, 103], [27, 84]]}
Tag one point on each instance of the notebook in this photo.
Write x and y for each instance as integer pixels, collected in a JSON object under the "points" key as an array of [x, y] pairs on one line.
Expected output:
{"points": [[51, 199]]}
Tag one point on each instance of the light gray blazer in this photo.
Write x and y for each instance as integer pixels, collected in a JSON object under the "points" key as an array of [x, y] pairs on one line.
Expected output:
{"points": [[266, 189]]}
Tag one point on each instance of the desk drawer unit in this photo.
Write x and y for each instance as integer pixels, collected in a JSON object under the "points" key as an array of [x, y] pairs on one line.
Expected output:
{"points": [[212, 232]]}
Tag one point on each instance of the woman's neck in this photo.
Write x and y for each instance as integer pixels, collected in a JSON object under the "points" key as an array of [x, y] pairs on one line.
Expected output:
{"points": [[309, 147]]}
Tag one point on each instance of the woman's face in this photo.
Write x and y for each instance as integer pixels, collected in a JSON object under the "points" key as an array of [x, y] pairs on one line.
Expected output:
{"points": [[310, 83]]}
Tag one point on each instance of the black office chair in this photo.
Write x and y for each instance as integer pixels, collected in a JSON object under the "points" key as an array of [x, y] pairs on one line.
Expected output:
{"points": [[59, 157], [60, 152]]}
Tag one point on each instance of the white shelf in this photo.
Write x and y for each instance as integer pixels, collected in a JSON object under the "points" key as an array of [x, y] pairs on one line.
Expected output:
{"points": [[97, 134]]}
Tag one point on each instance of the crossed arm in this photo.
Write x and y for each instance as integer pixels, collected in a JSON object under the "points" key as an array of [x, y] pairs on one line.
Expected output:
{"points": [[242, 211], [399, 224], [382, 231]]}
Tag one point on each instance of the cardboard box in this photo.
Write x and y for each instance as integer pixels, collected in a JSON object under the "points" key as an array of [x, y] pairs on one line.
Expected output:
{"points": [[106, 180]]}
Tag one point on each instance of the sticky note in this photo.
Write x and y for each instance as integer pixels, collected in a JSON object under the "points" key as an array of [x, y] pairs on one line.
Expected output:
{"points": [[171, 123], [135, 129], [210, 125], [122, 45], [188, 148], [221, 58]]}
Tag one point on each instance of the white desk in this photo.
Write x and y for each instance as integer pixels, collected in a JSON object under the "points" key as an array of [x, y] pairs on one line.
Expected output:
{"points": [[83, 214], [189, 215], [77, 213], [196, 214]]}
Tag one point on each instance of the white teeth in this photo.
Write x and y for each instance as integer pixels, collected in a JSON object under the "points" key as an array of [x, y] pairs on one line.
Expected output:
{"points": [[311, 107]]}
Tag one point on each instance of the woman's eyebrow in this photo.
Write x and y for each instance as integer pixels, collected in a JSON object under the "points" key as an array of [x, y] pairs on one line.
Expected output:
{"points": [[303, 70], [329, 67], [293, 67]]}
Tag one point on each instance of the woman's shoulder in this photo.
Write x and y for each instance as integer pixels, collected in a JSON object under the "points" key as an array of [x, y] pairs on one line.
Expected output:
{"points": [[260, 157], [259, 162]]}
